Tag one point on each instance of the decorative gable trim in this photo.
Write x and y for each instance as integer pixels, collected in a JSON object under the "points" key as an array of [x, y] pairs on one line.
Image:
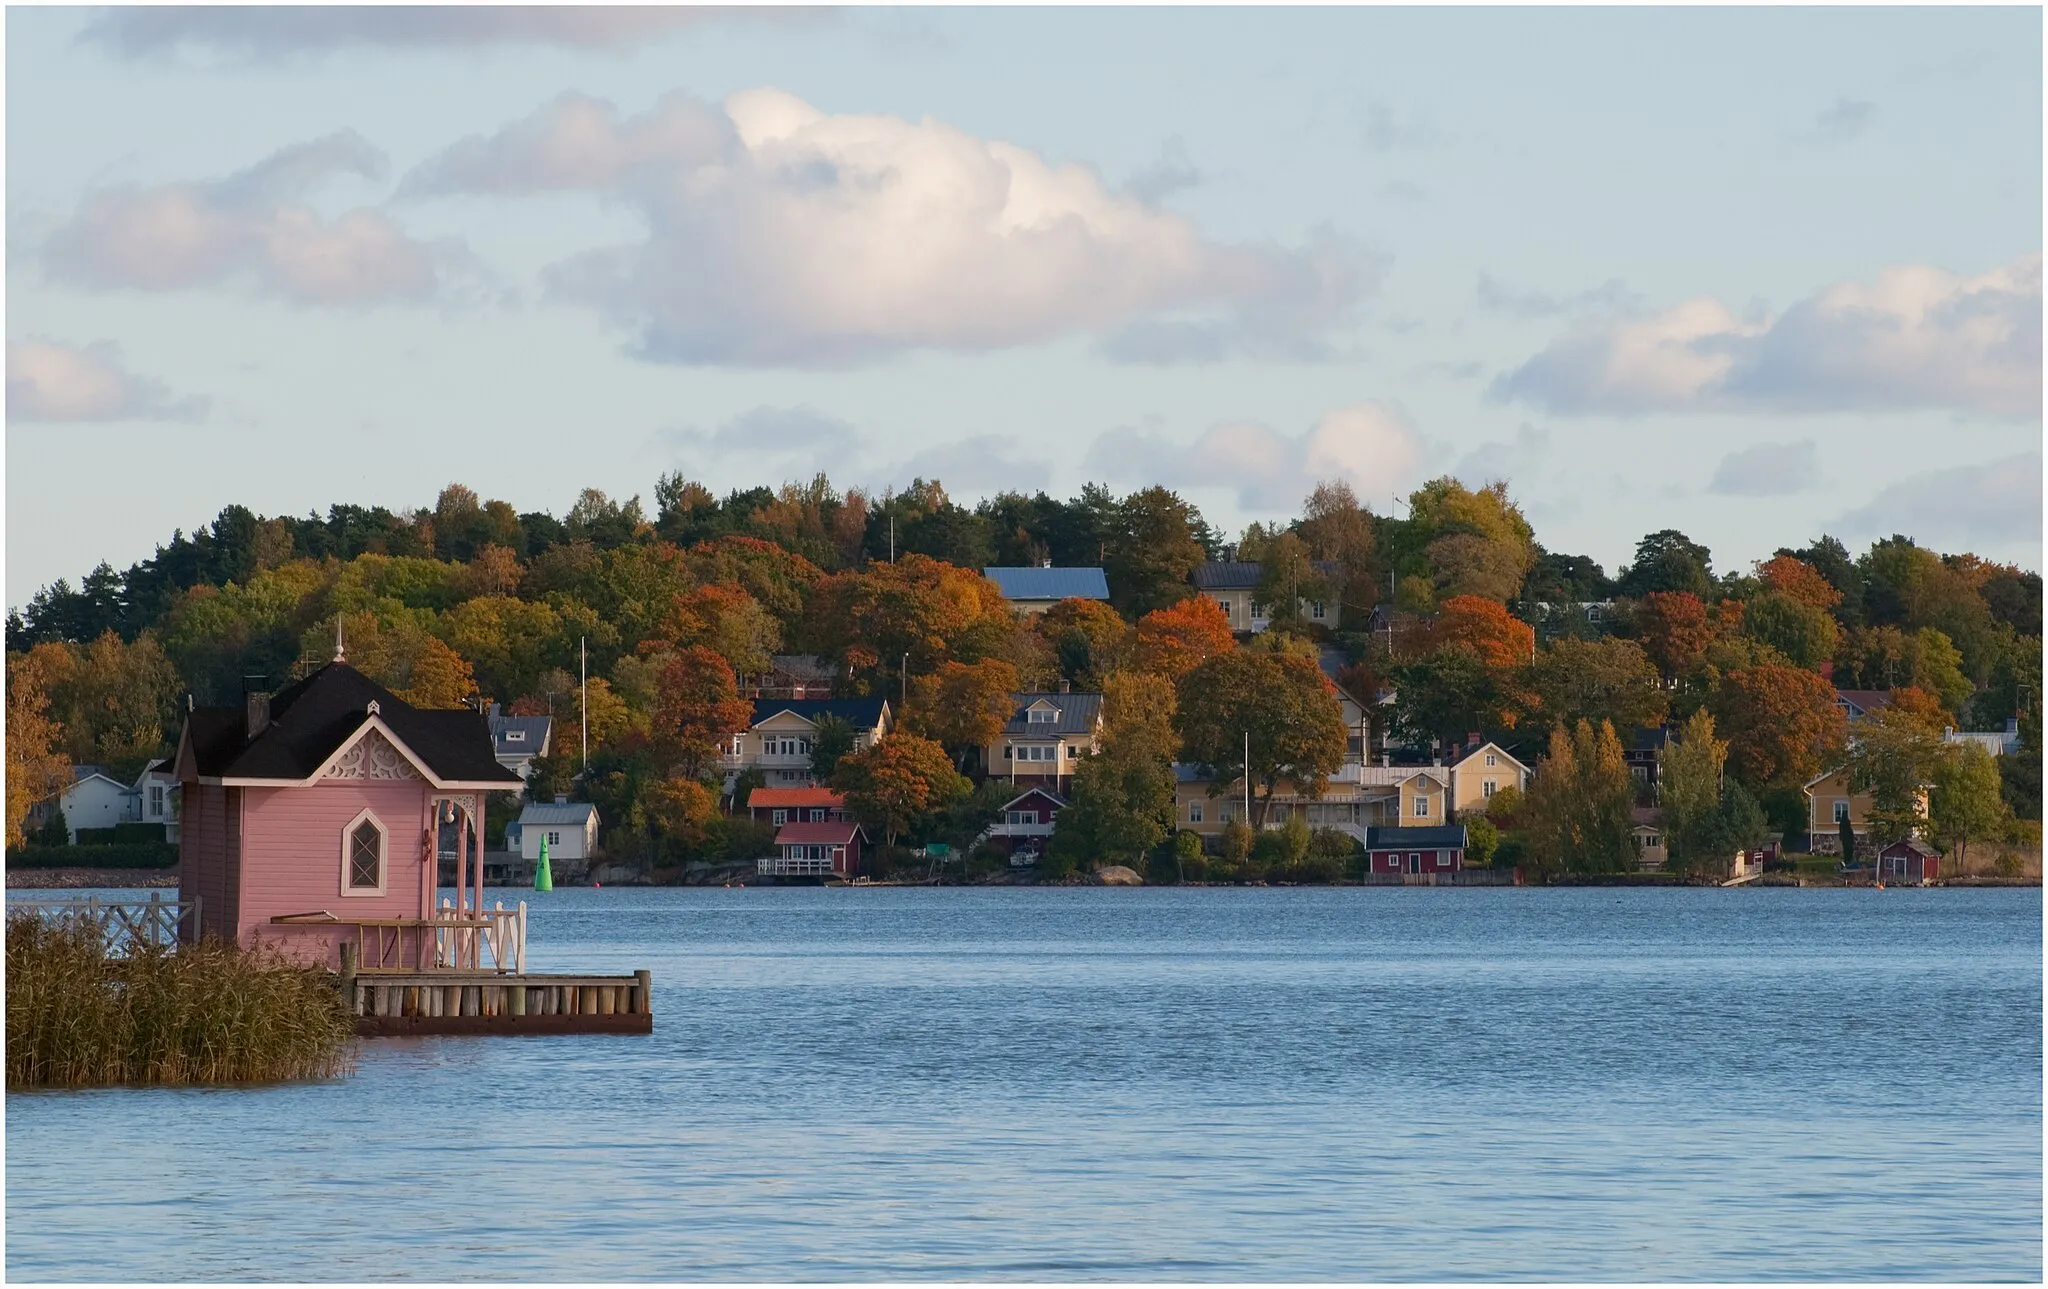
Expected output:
{"points": [[386, 770]]}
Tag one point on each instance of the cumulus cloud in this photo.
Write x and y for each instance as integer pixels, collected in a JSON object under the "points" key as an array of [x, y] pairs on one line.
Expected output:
{"points": [[1994, 504], [261, 32], [782, 235], [1917, 337], [1369, 445], [1171, 172], [47, 381], [802, 441], [1767, 470], [255, 226]]}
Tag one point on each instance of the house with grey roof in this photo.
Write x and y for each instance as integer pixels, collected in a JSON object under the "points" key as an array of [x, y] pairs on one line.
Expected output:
{"points": [[1234, 584], [1045, 738], [1034, 590], [516, 740], [779, 736], [568, 827]]}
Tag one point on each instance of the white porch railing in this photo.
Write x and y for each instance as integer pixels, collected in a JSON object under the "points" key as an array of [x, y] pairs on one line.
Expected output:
{"points": [[461, 939]]}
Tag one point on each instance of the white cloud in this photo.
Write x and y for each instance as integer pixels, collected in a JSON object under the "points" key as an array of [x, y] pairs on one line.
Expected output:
{"points": [[1997, 504], [1502, 297], [769, 431], [1369, 445], [1768, 470], [47, 381], [1527, 453], [255, 226], [1843, 120], [258, 31], [781, 235], [1918, 337]]}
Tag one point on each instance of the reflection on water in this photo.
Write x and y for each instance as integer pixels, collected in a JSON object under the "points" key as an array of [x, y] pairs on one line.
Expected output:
{"points": [[1137, 1084]]}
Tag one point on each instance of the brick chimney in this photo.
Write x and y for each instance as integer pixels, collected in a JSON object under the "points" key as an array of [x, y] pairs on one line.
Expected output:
{"points": [[255, 705]]}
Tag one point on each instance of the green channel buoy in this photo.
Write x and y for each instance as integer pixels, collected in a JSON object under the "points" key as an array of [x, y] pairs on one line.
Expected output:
{"points": [[543, 876]]}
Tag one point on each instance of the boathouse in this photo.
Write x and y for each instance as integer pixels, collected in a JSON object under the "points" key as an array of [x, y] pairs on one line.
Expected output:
{"points": [[310, 821], [1909, 862], [1416, 850]]}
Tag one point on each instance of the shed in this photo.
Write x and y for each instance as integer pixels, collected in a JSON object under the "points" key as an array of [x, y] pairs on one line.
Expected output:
{"points": [[570, 828], [1912, 861], [1416, 850], [814, 850]]}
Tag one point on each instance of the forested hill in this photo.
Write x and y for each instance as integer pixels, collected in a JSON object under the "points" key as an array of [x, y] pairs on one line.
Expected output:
{"points": [[1485, 630]]}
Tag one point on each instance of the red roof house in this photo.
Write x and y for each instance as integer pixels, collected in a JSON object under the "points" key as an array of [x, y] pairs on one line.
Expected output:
{"points": [[780, 806], [814, 850]]}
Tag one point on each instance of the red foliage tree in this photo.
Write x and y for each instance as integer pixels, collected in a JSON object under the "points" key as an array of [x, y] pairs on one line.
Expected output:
{"points": [[1172, 641], [697, 708], [1782, 724], [1674, 630]]}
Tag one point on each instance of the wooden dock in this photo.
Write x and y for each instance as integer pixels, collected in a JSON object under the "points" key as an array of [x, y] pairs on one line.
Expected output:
{"points": [[391, 1004]]}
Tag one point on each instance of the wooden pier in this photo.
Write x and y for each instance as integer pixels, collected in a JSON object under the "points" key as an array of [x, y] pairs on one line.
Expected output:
{"points": [[391, 1004]]}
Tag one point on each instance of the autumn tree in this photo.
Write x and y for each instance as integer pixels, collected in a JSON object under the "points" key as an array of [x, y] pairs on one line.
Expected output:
{"points": [[1289, 580], [1707, 815], [436, 677], [1122, 799], [1172, 641], [1894, 756], [1447, 694], [724, 619], [1151, 550], [117, 702], [679, 811], [917, 607], [1965, 804], [1782, 724], [1802, 632], [1339, 533], [37, 768], [1794, 577], [699, 709], [1598, 680], [1087, 638], [1281, 703], [1674, 630], [893, 784], [1576, 811], [963, 707], [1504, 643]]}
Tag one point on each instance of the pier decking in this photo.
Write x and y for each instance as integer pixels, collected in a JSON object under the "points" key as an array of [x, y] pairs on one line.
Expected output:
{"points": [[476, 1000]]}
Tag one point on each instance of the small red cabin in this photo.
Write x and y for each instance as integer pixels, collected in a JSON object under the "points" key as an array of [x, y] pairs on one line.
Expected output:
{"points": [[1908, 863], [312, 815], [1027, 822], [1415, 850], [814, 850]]}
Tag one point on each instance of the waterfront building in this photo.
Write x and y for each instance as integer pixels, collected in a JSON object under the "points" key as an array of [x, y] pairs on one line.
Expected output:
{"points": [[814, 850], [1391, 851], [1044, 740], [1358, 797], [779, 734]]}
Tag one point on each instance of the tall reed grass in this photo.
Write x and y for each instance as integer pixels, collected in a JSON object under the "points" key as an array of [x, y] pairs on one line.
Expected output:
{"points": [[207, 1013]]}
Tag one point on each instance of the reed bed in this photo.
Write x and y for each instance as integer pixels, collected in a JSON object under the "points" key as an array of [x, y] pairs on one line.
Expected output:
{"points": [[79, 1017]]}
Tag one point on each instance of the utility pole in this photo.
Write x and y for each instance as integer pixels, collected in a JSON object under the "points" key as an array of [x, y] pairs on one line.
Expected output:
{"points": [[1247, 778], [903, 693], [583, 648]]}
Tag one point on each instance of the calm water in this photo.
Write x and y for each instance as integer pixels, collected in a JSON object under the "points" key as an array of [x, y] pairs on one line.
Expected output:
{"points": [[1137, 1084]]}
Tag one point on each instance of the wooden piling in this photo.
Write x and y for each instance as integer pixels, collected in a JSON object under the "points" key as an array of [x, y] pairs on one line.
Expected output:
{"points": [[643, 989]]}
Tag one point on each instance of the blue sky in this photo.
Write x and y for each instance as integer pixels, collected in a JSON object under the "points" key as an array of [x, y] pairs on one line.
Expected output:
{"points": [[1754, 274]]}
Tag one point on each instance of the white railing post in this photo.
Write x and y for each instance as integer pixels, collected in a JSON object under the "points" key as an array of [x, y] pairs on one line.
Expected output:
{"points": [[519, 947]]}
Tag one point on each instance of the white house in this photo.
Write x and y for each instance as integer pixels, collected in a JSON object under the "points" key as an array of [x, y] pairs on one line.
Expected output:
{"points": [[516, 740], [154, 798], [570, 828], [92, 801]]}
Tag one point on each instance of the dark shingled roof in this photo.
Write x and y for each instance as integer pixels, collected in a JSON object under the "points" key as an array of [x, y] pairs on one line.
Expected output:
{"points": [[311, 720], [1443, 837], [861, 713], [1077, 713]]}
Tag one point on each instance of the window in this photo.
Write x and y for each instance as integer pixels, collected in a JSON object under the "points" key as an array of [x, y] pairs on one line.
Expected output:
{"points": [[554, 837], [778, 816], [1194, 812], [817, 815], [1841, 811], [1008, 752], [515, 736], [1224, 601], [1258, 610], [365, 857], [1030, 753], [1041, 716], [156, 800], [1486, 788], [1491, 760], [1422, 807], [362, 856], [1652, 840], [1316, 610]]}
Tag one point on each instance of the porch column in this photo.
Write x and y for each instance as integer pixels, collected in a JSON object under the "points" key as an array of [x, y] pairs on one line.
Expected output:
{"points": [[461, 859], [479, 858]]}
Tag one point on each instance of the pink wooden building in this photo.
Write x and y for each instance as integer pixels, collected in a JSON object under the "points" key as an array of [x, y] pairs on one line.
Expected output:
{"points": [[311, 819]]}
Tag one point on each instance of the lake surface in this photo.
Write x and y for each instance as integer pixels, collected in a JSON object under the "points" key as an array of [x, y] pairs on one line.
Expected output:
{"points": [[1125, 1084]]}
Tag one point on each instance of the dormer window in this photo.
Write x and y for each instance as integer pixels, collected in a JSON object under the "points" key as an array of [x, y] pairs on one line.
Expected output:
{"points": [[515, 736], [1041, 716]]}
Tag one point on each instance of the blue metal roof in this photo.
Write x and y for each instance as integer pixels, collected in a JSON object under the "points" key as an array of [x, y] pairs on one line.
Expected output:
{"points": [[1050, 583]]}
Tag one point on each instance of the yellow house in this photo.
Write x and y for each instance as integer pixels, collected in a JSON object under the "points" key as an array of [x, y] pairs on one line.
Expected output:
{"points": [[778, 739], [1829, 801], [1358, 796], [1234, 587], [1044, 740]]}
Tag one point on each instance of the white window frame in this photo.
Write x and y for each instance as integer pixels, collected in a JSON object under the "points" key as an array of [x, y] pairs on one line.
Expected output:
{"points": [[554, 837], [348, 832], [515, 736], [1491, 760], [1315, 609], [1486, 788], [1421, 810], [1041, 716], [778, 817], [1194, 812], [1841, 811]]}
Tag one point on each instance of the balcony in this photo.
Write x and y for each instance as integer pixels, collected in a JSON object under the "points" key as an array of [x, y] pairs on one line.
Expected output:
{"points": [[1020, 830]]}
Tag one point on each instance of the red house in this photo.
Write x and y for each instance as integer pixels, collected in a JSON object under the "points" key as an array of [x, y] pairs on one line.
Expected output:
{"points": [[1027, 822], [1415, 850], [814, 850], [1912, 861], [310, 818], [781, 806]]}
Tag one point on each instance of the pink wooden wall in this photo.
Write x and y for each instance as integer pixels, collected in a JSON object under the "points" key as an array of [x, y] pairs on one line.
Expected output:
{"points": [[292, 857]]}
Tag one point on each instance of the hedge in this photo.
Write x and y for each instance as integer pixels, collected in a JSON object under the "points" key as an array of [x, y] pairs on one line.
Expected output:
{"points": [[132, 854], [123, 834]]}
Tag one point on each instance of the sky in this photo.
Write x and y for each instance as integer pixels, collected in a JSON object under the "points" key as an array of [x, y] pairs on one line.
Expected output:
{"points": [[1754, 274]]}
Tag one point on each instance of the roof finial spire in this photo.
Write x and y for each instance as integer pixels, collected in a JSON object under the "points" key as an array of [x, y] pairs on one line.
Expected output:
{"points": [[340, 650]]}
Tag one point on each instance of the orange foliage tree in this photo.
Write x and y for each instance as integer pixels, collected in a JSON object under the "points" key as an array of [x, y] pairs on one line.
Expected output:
{"points": [[1087, 638], [1781, 723], [917, 606], [1502, 641], [698, 708], [892, 784], [963, 705], [1174, 640], [1674, 630], [1800, 580]]}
